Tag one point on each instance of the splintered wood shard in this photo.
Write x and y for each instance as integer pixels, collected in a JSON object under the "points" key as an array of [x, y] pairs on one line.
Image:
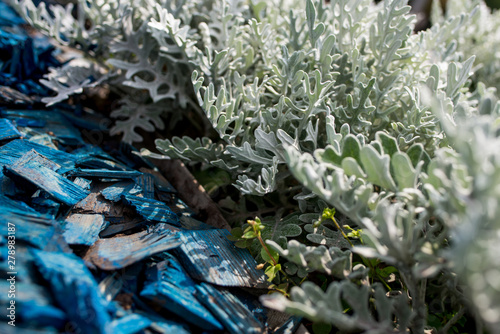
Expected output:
{"points": [[169, 286], [35, 230], [48, 121], [75, 290], [230, 311], [15, 149], [119, 252], [36, 303], [146, 183], [83, 229], [114, 193], [176, 204], [7, 130], [129, 324], [39, 171], [209, 256], [152, 210], [160, 181], [105, 173]]}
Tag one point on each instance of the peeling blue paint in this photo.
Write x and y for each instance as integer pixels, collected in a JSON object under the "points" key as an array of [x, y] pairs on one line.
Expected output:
{"points": [[83, 229], [75, 291], [15, 149], [38, 170], [46, 122], [169, 286], [231, 312], [115, 192], [209, 256], [152, 210], [8, 131], [104, 173], [130, 324]]}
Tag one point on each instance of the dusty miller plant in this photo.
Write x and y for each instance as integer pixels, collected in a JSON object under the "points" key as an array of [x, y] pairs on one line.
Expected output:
{"points": [[478, 36], [321, 106]]}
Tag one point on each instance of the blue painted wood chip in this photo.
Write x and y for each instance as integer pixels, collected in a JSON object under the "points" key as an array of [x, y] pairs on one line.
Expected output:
{"points": [[152, 210], [104, 173], [8, 131], [51, 122], [209, 256], [160, 182], [115, 228], [36, 231], [83, 229], [75, 291], [7, 186], [176, 204], [15, 149], [230, 311], [8, 205], [35, 304], [38, 170], [100, 163], [169, 286], [45, 205], [130, 324], [119, 252], [84, 183], [147, 184], [88, 150], [116, 191]]}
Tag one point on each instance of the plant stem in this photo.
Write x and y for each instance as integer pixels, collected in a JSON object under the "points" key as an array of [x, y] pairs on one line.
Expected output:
{"points": [[417, 293], [266, 249], [452, 321], [342, 231], [272, 258]]}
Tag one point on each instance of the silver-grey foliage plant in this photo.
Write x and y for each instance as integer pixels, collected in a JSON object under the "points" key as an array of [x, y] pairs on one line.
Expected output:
{"points": [[324, 105]]}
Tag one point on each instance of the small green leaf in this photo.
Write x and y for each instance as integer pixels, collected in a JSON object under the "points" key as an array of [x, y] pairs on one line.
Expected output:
{"points": [[249, 235], [321, 328], [272, 271], [241, 244], [273, 253], [385, 272]]}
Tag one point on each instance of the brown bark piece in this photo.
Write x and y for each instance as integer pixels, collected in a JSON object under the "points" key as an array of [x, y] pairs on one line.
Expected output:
{"points": [[191, 192]]}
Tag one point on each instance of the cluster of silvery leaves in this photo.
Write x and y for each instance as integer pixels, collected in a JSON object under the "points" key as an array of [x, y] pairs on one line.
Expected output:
{"points": [[479, 37], [324, 105]]}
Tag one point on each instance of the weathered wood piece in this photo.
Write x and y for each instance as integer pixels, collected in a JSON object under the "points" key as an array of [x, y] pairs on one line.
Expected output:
{"points": [[15, 149], [75, 291], [152, 210], [176, 204], [130, 324], [116, 191], [105, 173], [39, 171], [169, 286], [119, 252], [192, 192], [35, 230], [83, 229], [209, 256], [147, 184], [160, 181], [47, 121], [230, 311], [35, 304], [8, 131]]}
